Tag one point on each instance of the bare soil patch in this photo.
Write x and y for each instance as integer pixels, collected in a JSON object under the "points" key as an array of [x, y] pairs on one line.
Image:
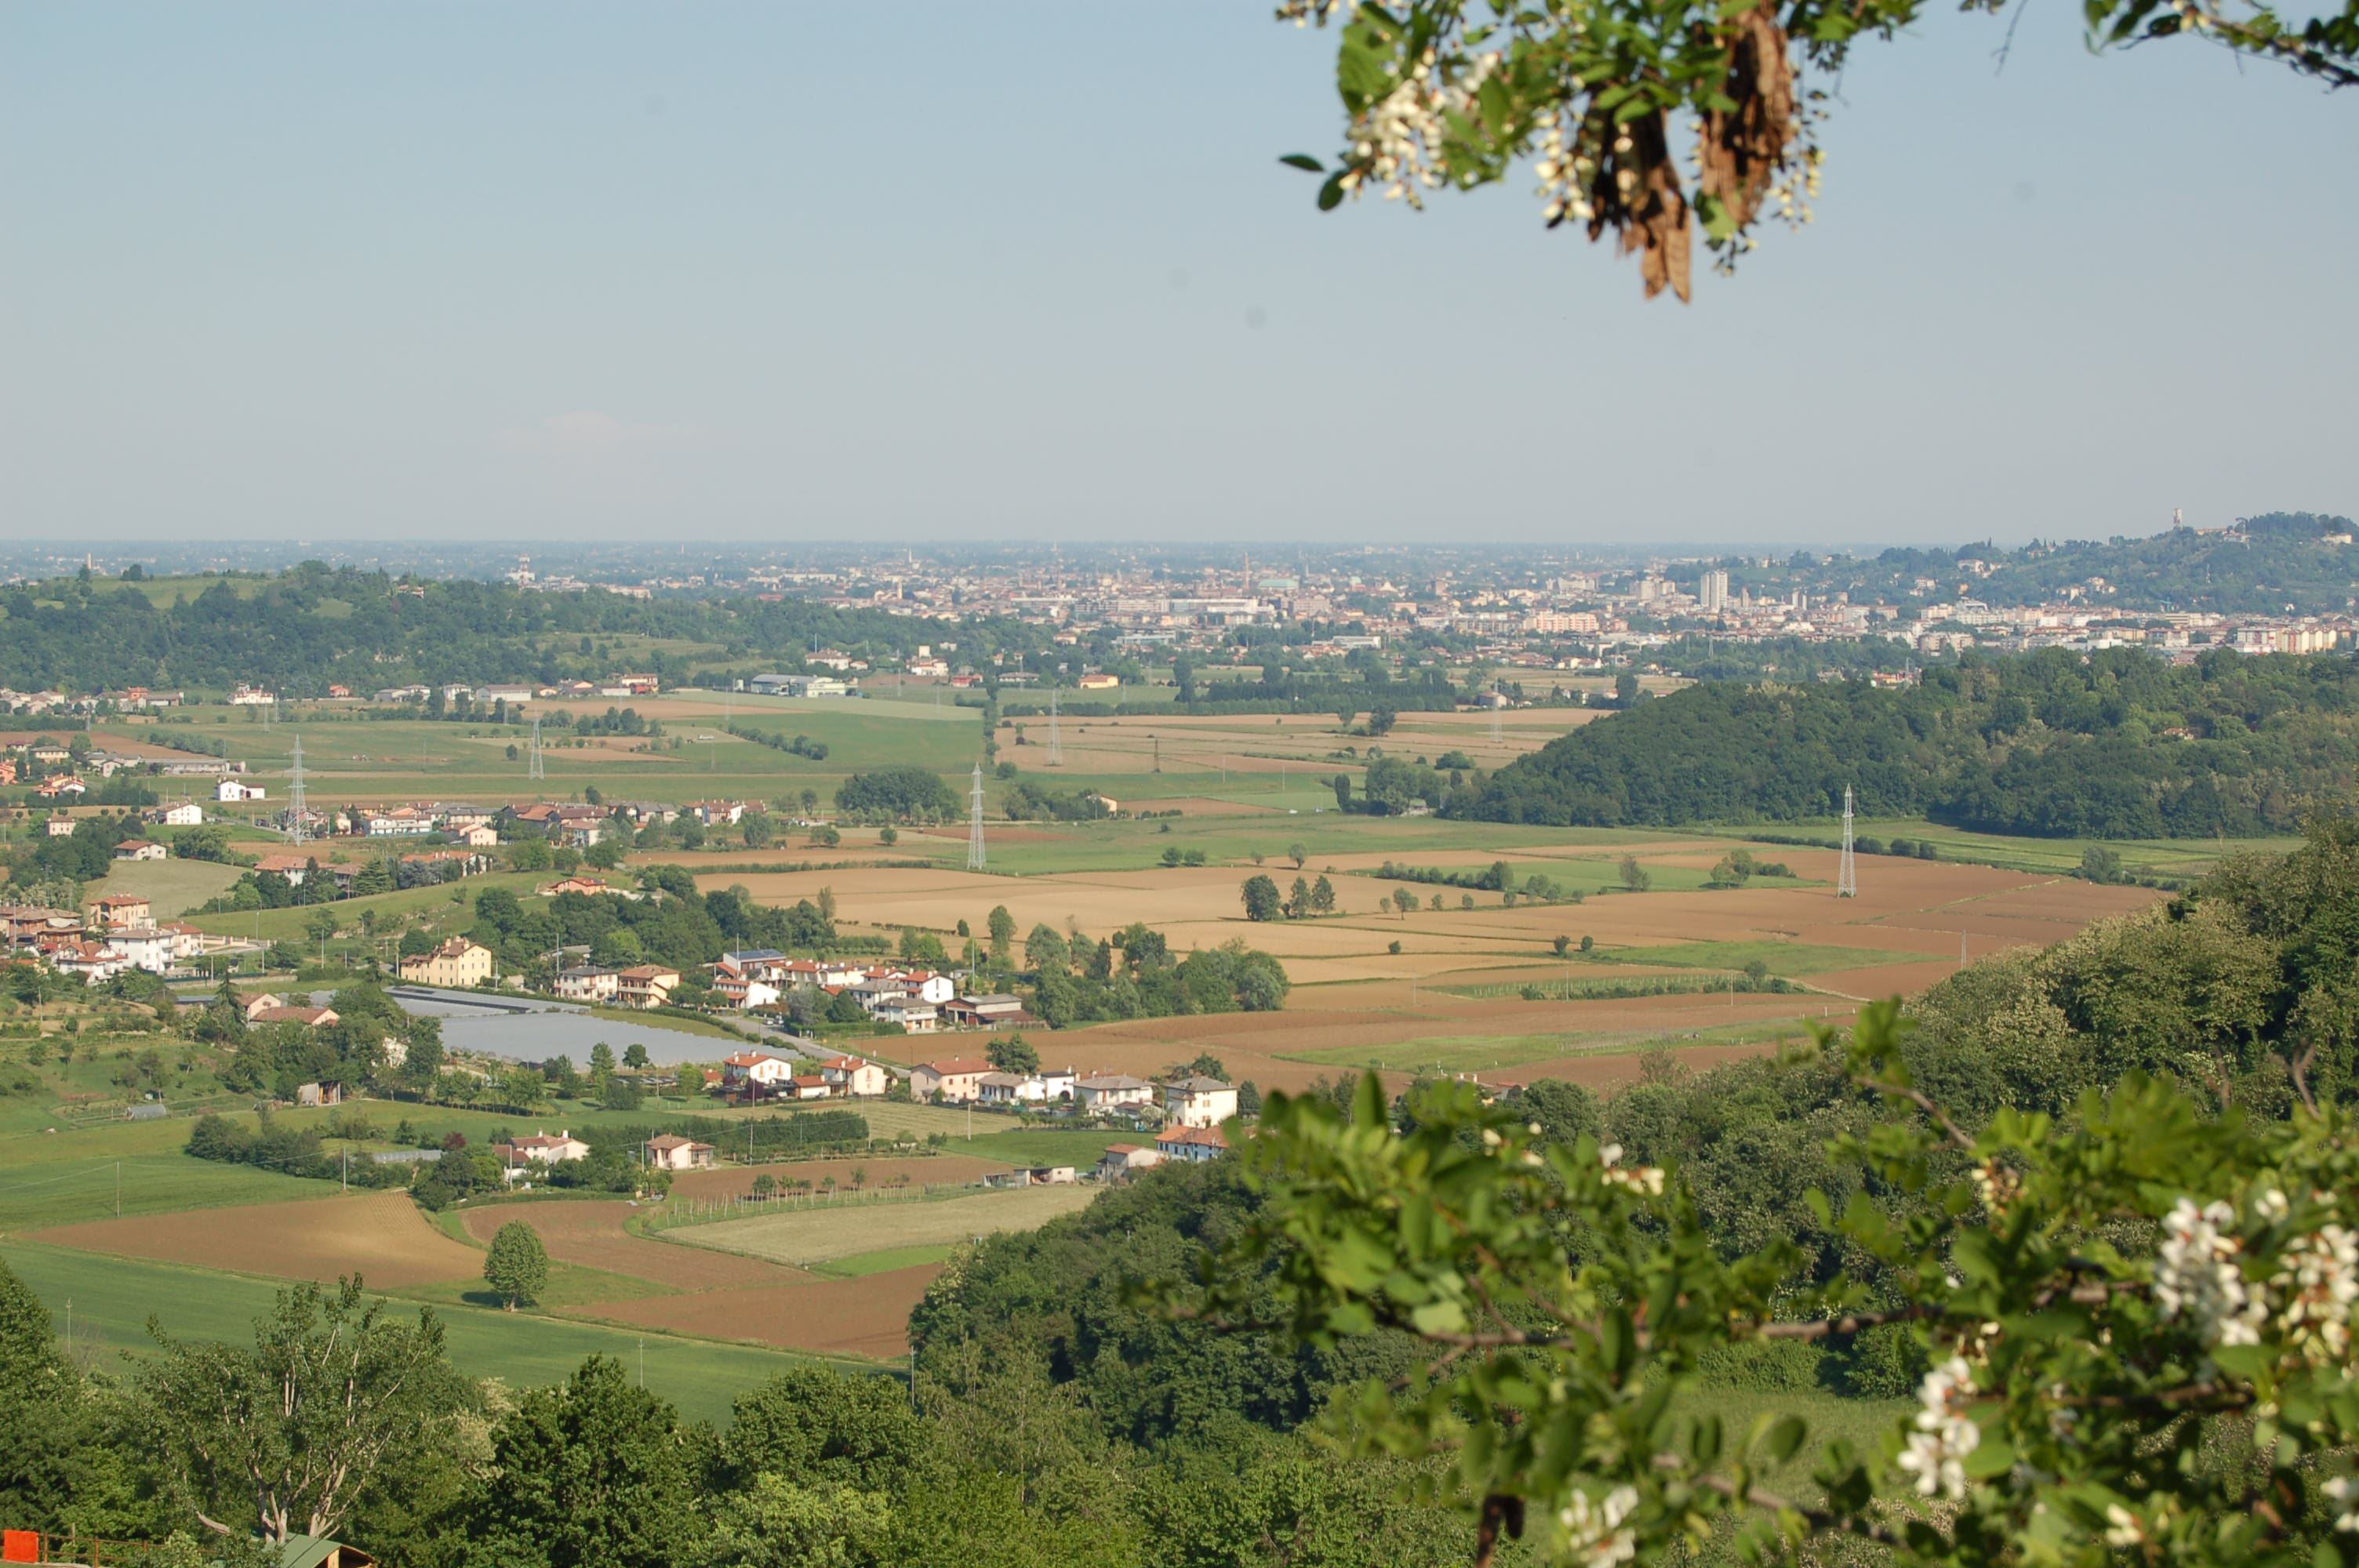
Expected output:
{"points": [[379, 1236], [592, 1235], [866, 1316]]}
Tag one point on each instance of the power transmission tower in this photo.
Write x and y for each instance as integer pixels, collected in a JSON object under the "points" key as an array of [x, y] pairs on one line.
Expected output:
{"points": [[533, 770], [1497, 737], [974, 825], [1056, 743], [294, 795], [1847, 874]]}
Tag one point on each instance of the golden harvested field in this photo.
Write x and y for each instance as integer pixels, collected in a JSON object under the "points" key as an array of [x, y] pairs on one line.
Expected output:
{"points": [[592, 1235], [867, 1316], [737, 1181], [820, 1235], [379, 1236]]}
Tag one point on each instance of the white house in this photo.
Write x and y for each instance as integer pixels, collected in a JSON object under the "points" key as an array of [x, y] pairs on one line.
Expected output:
{"points": [[187, 814], [669, 1151], [1121, 1160], [956, 1079], [141, 849], [1199, 1102], [145, 948], [741, 991], [1009, 1088], [1190, 1145], [1112, 1091], [757, 1068], [913, 1016], [589, 983], [231, 790], [543, 1149], [855, 1076]]}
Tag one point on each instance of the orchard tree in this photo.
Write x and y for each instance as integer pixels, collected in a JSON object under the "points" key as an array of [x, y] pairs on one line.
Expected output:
{"points": [[1014, 1053], [517, 1267], [1261, 898], [2135, 1324], [1650, 121]]}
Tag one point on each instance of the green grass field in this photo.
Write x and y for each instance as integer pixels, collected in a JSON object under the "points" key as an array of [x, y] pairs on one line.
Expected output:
{"points": [[2169, 858], [429, 903], [113, 1298], [33, 1197], [1791, 959], [170, 887], [825, 1233], [1047, 1146], [860, 1265]]}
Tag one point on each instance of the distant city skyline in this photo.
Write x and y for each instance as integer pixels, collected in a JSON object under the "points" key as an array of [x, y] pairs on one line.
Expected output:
{"points": [[547, 276]]}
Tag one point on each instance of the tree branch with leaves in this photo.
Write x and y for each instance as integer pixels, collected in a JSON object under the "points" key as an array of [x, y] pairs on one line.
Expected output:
{"points": [[1648, 119], [2110, 1304]]}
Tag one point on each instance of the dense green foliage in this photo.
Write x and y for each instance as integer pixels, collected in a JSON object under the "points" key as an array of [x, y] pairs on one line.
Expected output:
{"points": [[2117, 745], [897, 795], [299, 631], [684, 928], [516, 1265], [1133, 974]]}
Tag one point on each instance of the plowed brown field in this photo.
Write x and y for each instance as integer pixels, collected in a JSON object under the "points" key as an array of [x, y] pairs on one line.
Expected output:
{"points": [[379, 1236], [844, 1318], [592, 1235]]}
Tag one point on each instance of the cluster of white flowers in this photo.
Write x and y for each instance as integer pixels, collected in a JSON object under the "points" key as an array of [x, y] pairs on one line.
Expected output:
{"points": [[1301, 12], [2344, 1493], [1647, 1179], [2124, 1529], [1398, 139], [1564, 175], [2318, 1274], [1599, 1533], [2196, 1276], [1945, 1434], [1996, 1184]]}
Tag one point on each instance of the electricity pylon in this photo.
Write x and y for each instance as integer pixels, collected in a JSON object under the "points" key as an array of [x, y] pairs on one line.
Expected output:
{"points": [[1847, 874], [294, 795], [533, 770], [1056, 743], [974, 825]]}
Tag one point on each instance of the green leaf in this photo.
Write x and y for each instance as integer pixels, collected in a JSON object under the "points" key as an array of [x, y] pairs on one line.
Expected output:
{"points": [[1784, 1438], [1331, 195], [1719, 224], [1302, 160], [1368, 1108], [1993, 1456], [1439, 1318]]}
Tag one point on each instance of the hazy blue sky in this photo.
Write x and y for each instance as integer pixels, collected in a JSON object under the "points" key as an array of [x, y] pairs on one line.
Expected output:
{"points": [[1030, 271]]}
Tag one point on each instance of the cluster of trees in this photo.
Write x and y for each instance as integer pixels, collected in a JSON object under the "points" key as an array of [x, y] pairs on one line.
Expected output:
{"points": [[291, 1150], [1028, 800], [797, 745], [1135, 974], [369, 1435], [1305, 900], [277, 1059], [897, 795], [1390, 786], [2117, 745], [684, 928], [309, 626]]}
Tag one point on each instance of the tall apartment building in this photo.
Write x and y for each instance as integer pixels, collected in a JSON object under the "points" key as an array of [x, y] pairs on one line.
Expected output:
{"points": [[1711, 594]]}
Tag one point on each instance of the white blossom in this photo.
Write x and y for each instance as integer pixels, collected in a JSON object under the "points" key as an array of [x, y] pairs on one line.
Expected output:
{"points": [[2318, 1275], [1647, 1179], [2343, 1492], [1936, 1452], [1599, 1533], [2196, 1277], [2122, 1528]]}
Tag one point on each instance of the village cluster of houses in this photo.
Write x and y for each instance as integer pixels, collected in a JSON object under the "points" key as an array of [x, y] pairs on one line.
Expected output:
{"points": [[112, 934]]}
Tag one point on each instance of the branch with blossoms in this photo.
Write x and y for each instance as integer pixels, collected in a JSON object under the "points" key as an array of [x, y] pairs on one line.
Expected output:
{"points": [[1651, 120], [2099, 1299]]}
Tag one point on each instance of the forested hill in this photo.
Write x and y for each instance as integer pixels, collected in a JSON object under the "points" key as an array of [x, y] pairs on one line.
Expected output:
{"points": [[302, 629], [2116, 746]]}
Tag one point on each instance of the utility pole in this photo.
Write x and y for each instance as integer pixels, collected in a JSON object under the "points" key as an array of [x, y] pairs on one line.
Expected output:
{"points": [[533, 769], [1056, 743], [118, 1189]]}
